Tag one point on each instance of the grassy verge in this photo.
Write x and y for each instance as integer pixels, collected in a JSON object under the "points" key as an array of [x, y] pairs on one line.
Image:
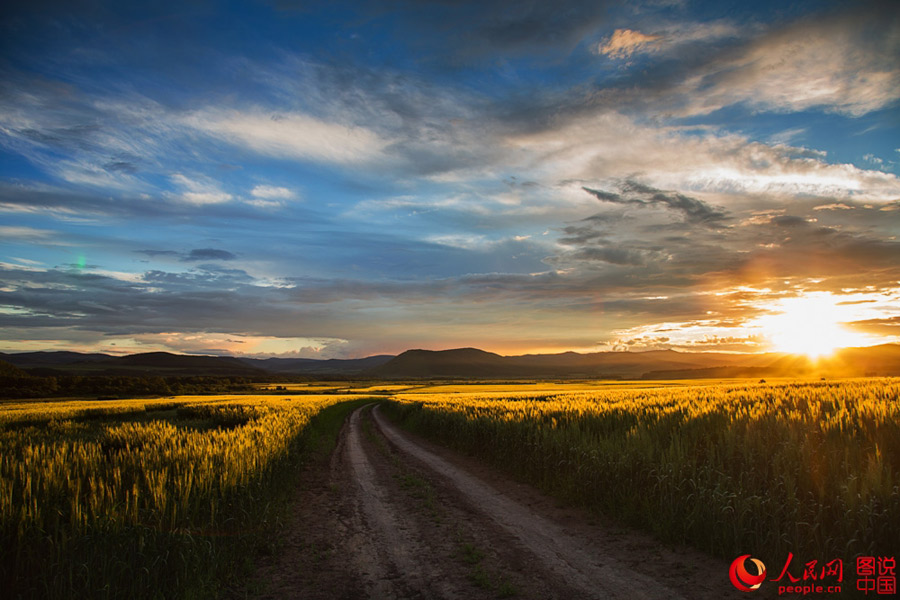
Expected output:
{"points": [[319, 439]]}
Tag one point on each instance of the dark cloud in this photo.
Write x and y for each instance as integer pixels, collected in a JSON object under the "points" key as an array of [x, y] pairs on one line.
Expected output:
{"points": [[615, 256], [789, 222], [528, 26], [199, 254], [121, 166], [579, 235], [155, 253], [469, 29], [638, 194], [126, 206], [203, 277]]}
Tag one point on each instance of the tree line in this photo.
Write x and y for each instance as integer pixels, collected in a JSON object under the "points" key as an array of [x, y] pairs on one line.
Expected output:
{"points": [[18, 383]]}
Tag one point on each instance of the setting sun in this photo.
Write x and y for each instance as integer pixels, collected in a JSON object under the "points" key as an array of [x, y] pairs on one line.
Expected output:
{"points": [[811, 324]]}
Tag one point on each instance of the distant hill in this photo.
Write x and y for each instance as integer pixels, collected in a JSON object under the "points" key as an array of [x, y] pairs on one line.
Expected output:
{"points": [[477, 364], [668, 364], [875, 360], [312, 366], [462, 362], [472, 363], [177, 364]]}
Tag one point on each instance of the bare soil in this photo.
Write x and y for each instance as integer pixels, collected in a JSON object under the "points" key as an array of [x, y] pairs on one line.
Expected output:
{"points": [[395, 516]]}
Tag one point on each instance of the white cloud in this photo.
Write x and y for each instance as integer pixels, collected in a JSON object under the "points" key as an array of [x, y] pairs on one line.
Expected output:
{"points": [[85, 172], [31, 234], [271, 192], [291, 135], [198, 191], [464, 241], [15, 267], [828, 64], [26, 261], [612, 146], [270, 196], [787, 136]]}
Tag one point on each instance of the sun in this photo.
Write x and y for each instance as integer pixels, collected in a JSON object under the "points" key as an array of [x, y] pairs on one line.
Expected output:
{"points": [[811, 324]]}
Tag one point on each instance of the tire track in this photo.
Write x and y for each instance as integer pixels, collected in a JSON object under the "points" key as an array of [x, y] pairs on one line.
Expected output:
{"points": [[594, 571], [390, 546]]}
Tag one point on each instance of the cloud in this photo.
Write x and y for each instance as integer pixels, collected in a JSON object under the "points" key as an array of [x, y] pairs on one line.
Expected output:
{"points": [[605, 146], [839, 60], [634, 193], [676, 34], [614, 255], [833, 206], [83, 138], [290, 135], [208, 254], [843, 63], [31, 234], [271, 192], [625, 42], [632, 263], [883, 326], [199, 191], [573, 198], [269, 196], [488, 29], [155, 253], [195, 255]]}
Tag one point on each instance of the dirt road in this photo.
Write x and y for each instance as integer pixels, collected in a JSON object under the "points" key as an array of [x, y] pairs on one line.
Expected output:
{"points": [[394, 516]]}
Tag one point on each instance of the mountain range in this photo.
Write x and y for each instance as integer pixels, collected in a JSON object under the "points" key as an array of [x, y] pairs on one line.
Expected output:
{"points": [[471, 363]]}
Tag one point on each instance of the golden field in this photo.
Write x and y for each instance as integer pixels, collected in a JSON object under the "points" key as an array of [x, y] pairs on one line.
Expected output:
{"points": [[131, 498], [809, 467], [173, 497]]}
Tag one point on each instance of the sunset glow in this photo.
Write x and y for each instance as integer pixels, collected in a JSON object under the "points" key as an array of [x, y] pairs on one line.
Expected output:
{"points": [[810, 325], [339, 179]]}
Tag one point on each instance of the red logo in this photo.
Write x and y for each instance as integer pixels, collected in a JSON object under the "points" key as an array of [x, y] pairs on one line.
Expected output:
{"points": [[742, 579]]}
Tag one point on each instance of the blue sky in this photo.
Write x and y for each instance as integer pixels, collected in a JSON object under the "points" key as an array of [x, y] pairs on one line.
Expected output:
{"points": [[339, 179]]}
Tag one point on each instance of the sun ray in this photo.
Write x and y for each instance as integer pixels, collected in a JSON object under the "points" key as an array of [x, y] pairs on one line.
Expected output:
{"points": [[812, 324]]}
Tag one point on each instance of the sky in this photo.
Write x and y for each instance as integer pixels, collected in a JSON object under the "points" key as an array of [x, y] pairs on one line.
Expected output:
{"points": [[342, 179]]}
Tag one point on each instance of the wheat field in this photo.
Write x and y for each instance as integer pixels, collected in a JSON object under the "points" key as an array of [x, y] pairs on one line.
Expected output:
{"points": [[173, 497], [142, 498], [809, 467]]}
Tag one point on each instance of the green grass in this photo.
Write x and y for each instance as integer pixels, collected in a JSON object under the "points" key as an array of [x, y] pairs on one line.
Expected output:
{"points": [[480, 575]]}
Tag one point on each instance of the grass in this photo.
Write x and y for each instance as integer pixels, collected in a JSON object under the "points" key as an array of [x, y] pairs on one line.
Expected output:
{"points": [[168, 498], [811, 468], [480, 575]]}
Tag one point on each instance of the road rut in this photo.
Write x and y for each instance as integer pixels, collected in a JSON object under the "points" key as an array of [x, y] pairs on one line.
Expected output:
{"points": [[594, 573], [393, 516]]}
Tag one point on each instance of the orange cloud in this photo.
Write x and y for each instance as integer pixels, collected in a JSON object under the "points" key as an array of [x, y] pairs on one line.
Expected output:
{"points": [[625, 42]]}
